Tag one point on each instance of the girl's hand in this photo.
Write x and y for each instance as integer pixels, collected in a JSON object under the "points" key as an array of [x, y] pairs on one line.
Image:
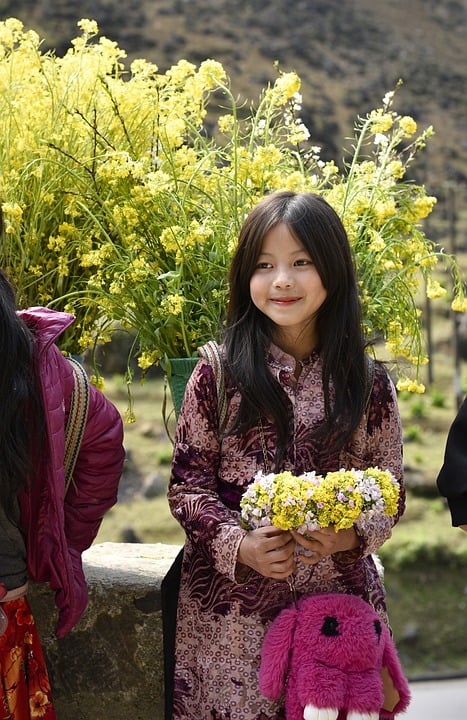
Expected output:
{"points": [[324, 542], [269, 551]]}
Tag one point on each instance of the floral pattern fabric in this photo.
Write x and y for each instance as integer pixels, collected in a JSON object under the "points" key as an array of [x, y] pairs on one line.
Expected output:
{"points": [[25, 692], [223, 612]]}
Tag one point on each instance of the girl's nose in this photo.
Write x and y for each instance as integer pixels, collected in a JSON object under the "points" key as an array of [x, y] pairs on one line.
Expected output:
{"points": [[283, 278]]}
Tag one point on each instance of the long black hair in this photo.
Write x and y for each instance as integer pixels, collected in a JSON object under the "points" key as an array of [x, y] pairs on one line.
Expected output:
{"points": [[249, 332], [20, 407]]}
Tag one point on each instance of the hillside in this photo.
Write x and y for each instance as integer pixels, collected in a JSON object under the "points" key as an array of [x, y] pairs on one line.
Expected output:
{"points": [[348, 55]]}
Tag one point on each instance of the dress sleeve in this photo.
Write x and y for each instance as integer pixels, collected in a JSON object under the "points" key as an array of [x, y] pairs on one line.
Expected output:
{"points": [[193, 494], [384, 450], [452, 478]]}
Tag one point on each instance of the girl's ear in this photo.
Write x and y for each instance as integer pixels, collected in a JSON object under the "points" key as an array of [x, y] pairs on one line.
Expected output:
{"points": [[275, 654]]}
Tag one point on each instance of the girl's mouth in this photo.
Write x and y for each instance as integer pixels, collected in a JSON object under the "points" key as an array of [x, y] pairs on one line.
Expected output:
{"points": [[285, 300]]}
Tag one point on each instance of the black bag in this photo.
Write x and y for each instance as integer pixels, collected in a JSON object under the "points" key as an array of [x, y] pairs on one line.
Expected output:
{"points": [[170, 588]]}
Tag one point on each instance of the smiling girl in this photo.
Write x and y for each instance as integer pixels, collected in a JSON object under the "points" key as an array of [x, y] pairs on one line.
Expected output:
{"points": [[300, 398]]}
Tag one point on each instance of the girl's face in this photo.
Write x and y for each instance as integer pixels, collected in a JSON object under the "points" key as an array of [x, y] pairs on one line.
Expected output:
{"points": [[287, 288]]}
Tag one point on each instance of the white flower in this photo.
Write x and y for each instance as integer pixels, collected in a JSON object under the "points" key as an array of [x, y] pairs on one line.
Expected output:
{"points": [[381, 139]]}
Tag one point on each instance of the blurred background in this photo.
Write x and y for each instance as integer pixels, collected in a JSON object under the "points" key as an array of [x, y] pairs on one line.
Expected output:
{"points": [[348, 56]]}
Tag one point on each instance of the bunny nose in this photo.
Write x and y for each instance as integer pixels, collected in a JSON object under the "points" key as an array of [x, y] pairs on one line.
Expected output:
{"points": [[330, 626]]}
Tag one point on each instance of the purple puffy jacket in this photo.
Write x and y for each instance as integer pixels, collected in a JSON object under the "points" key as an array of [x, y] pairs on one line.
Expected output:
{"points": [[58, 530]]}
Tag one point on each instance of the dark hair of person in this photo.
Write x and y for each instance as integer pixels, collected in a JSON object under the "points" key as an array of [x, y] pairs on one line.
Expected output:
{"points": [[249, 332], [20, 408]]}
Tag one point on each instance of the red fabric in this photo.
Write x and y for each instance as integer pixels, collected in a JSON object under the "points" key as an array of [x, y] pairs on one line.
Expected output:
{"points": [[58, 530], [25, 687]]}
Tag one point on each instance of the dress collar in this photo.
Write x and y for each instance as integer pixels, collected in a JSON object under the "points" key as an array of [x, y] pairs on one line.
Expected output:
{"points": [[278, 357]]}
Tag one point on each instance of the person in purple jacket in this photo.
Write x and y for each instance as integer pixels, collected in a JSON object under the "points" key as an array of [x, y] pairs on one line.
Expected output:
{"points": [[452, 478], [43, 530]]}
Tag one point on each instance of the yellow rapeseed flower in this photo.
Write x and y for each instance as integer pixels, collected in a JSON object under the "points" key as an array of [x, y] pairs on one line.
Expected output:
{"points": [[421, 207], [459, 304], [408, 125], [173, 304], [381, 121], [147, 359], [434, 289], [407, 385], [12, 212], [88, 27], [226, 124], [212, 74], [285, 87]]}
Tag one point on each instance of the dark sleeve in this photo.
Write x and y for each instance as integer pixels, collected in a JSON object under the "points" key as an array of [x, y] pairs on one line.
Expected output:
{"points": [[452, 479]]}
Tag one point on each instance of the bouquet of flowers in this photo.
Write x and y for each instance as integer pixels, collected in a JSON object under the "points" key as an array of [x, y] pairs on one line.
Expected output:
{"points": [[311, 501]]}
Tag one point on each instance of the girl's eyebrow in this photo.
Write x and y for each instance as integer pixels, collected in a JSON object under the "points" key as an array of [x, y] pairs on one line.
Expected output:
{"points": [[294, 252]]}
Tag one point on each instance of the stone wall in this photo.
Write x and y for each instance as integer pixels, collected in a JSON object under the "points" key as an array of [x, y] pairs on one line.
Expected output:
{"points": [[110, 667]]}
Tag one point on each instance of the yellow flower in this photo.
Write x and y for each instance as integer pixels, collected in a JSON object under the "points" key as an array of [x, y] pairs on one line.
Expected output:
{"points": [[434, 289], [408, 125], [180, 72], [212, 73], [405, 384], [173, 304], [147, 359], [421, 207], [88, 27], [98, 381], [395, 169], [62, 267], [226, 124], [381, 121], [12, 211], [129, 416], [143, 68], [385, 209], [459, 304], [285, 87], [377, 243]]}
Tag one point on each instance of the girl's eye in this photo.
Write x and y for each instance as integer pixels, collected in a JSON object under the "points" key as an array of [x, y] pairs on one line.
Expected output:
{"points": [[263, 266], [303, 261]]}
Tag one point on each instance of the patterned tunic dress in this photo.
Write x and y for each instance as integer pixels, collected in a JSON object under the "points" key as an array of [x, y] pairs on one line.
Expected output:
{"points": [[225, 609]]}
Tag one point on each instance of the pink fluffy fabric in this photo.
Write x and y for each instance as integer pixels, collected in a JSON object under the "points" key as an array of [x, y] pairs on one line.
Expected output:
{"points": [[328, 653]]}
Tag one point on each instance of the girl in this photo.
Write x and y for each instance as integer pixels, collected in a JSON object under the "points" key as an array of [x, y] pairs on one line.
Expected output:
{"points": [[299, 399], [42, 532]]}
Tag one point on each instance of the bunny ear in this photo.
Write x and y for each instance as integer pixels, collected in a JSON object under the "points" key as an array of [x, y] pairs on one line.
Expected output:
{"points": [[275, 654], [396, 687]]}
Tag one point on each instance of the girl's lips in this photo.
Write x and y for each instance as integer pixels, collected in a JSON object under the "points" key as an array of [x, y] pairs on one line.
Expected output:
{"points": [[285, 301]]}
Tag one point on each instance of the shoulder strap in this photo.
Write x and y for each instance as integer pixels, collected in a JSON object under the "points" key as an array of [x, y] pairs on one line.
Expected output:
{"points": [[370, 375], [211, 352], [77, 417]]}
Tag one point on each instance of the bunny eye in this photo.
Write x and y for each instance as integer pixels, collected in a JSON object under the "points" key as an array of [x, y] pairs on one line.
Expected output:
{"points": [[377, 625], [330, 626]]}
